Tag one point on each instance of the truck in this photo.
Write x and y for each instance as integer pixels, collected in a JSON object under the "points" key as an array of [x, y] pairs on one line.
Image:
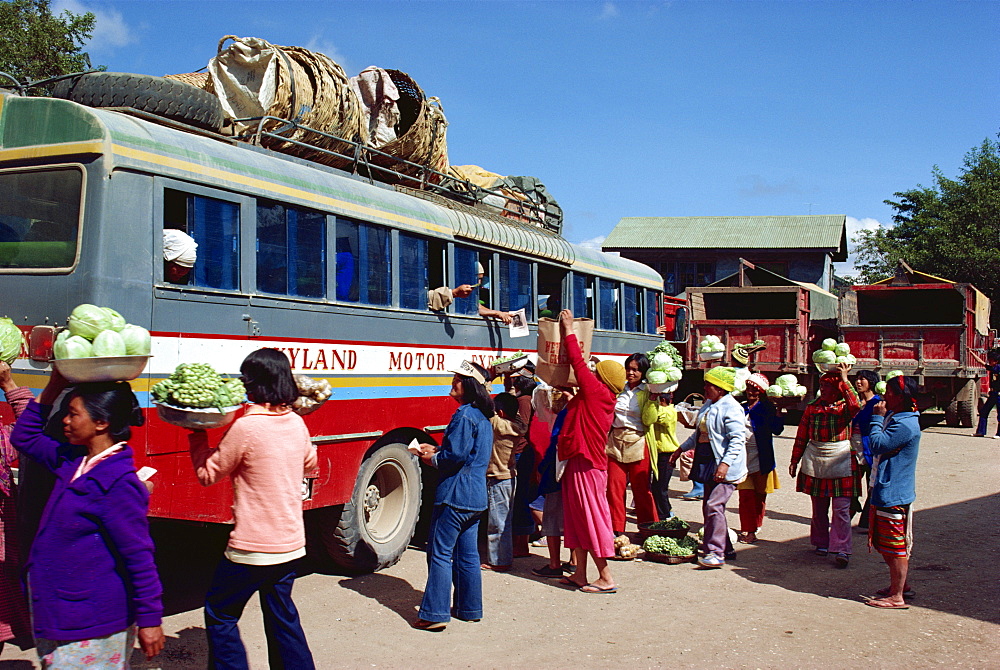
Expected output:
{"points": [[932, 328], [790, 317]]}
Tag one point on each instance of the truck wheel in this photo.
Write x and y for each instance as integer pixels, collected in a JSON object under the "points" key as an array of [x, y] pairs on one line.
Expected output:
{"points": [[951, 414], [968, 403], [371, 530], [168, 98]]}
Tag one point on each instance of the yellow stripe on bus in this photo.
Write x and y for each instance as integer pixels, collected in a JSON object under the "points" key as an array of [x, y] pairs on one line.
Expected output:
{"points": [[252, 182], [50, 150], [618, 273]]}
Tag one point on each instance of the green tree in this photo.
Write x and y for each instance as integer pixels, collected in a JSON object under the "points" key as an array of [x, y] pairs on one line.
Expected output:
{"points": [[951, 229], [36, 44]]}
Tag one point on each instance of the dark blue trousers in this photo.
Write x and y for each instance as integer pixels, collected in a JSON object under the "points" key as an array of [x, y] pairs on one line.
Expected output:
{"points": [[232, 586]]}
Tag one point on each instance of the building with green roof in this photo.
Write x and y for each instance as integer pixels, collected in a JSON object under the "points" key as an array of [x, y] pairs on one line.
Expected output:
{"points": [[699, 250]]}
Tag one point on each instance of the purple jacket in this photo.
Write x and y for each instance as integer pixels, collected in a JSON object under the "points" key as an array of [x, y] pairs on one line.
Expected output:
{"points": [[91, 566]]}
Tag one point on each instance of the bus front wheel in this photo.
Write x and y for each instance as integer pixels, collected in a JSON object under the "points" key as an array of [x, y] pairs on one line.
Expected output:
{"points": [[372, 530]]}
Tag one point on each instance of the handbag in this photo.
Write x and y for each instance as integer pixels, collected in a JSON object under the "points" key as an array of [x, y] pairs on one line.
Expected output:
{"points": [[704, 466], [684, 462]]}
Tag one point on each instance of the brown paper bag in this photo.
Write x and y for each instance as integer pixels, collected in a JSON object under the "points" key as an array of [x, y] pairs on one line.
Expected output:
{"points": [[553, 363]]}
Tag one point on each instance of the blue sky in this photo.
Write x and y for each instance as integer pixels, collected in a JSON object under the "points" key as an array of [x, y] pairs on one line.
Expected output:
{"points": [[645, 108]]}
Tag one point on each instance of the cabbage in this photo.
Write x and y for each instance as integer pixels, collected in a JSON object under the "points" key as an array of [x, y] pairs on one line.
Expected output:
{"points": [[829, 344], [656, 377], [718, 346], [71, 346], [825, 356], [800, 391], [661, 361], [740, 379], [788, 392], [117, 320], [842, 349], [787, 381], [714, 339], [851, 359], [841, 359], [11, 341], [136, 340], [893, 373], [674, 374], [774, 391], [88, 320], [880, 388], [108, 343]]}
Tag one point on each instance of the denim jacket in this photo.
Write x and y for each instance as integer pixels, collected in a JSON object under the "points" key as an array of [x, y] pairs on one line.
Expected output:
{"points": [[461, 460]]}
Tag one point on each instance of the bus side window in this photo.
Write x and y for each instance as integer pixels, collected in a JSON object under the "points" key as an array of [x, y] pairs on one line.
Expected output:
{"points": [[583, 296], [630, 308], [652, 310], [550, 291], [516, 286], [215, 226], [291, 250], [607, 295], [363, 252], [413, 272], [466, 261]]}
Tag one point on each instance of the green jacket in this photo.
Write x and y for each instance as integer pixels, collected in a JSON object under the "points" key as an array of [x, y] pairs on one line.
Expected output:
{"points": [[661, 427]]}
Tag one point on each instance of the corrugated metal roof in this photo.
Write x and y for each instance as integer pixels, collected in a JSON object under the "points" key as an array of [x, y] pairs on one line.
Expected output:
{"points": [[730, 232]]}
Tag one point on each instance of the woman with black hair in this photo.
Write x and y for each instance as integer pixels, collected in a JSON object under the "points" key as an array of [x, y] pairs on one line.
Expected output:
{"points": [[265, 453], [628, 457], [895, 441], [91, 576], [459, 503], [860, 427]]}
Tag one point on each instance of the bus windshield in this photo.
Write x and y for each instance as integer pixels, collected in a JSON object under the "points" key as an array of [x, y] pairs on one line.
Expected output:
{"points": [[39, 218]]}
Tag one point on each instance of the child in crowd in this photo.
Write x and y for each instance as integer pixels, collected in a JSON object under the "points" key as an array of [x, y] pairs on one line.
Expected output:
{"points": [[508, 429]]}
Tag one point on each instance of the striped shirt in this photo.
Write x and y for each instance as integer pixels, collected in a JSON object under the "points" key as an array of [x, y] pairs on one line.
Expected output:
{"points": [[828, 423]]}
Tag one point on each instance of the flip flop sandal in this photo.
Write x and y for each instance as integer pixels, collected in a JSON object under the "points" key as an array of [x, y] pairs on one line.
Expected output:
{"points": [[434, 626], [885, 605], [590, 588], [566, 581]]}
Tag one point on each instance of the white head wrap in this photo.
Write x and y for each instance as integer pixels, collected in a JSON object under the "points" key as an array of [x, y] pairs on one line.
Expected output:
{"points": [[179, 247]]}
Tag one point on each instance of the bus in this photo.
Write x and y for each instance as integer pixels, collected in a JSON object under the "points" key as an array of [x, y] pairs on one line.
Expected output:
{"points": [[328, 266]]}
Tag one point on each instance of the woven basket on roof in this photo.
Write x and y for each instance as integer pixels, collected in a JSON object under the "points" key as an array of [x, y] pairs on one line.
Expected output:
{"points": [[420, 135], [310, 89], [199, 79]]}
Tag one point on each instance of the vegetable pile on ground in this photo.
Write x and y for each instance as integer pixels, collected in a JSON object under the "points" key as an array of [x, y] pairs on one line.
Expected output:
{"points": [[198, 386], [11, 341], [100, 331], [832, 352], [665, 364], [710, 344], [786, 386], [673, 523], [658, 544]]}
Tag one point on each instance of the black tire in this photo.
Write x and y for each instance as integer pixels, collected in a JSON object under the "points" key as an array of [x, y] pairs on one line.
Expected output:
{"points": [[966, 413], [372, 530], [951, 414], [168, 98]]}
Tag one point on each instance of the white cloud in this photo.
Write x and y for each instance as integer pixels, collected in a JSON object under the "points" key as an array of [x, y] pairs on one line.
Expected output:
{"points": [[609, 10], [327, 48], [593, 242], [854, 226], [110, 29]]}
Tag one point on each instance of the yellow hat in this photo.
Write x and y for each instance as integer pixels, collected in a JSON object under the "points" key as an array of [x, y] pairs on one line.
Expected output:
{"points": [[612, 373], [724, 378]]}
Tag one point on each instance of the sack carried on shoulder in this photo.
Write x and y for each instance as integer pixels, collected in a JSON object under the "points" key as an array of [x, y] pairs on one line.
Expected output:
{"points": [[553, 363]]}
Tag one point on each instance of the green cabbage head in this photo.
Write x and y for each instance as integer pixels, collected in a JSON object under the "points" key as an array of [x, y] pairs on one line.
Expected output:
{"points": [[108, 343], [88, 320], [71, 346], [11, 341], [117, 320], [136, 340]]}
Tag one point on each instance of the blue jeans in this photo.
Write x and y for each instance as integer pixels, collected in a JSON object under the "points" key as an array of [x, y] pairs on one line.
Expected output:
{"points": [[499, 522], [453, 557], [232, 586], [984, 415]]}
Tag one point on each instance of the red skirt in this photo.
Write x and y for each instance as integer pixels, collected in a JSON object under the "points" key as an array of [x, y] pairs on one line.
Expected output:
{"points": [[586, 516]]}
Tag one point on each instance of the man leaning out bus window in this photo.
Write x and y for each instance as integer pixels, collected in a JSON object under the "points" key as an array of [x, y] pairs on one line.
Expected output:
{"points": [[179, 255]]}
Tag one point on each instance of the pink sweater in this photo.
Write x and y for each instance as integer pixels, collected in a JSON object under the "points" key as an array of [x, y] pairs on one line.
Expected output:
{"points": [[266, 456]]}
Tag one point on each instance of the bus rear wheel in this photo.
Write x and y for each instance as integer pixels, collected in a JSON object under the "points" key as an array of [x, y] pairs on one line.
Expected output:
{"points": [[372, 530]]}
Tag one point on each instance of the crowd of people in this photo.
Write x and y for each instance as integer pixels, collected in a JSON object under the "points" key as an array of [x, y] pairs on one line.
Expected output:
{"points": [[535, 456], [562, 458]]}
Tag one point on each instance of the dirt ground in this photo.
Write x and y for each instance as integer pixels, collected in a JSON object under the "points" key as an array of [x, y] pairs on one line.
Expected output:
{"points": [[777, 605]]}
